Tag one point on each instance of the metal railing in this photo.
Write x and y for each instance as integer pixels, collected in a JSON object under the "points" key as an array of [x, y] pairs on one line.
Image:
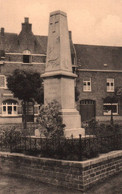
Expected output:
{"points": [[62, 148]]}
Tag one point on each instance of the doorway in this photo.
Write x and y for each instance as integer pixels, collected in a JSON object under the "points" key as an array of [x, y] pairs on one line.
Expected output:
{"points": [[87, 109]]}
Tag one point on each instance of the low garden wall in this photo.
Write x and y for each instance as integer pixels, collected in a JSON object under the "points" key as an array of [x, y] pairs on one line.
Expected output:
{"points": [[69, 174]]}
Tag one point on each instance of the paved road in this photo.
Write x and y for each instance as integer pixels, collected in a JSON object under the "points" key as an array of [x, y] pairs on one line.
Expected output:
{"points": [[11, 185]]}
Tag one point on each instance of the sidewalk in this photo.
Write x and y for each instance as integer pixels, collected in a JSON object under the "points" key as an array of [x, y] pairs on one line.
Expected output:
{"points": [[11, 185]]}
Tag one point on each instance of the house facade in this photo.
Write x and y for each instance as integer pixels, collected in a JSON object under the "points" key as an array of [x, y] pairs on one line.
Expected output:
{"points": [[26, 52], [99, 70]]}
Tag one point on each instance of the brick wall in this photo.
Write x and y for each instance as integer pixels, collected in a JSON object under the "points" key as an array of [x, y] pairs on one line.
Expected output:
{"points": [[98, 89], [69, 174], [8, 68]]}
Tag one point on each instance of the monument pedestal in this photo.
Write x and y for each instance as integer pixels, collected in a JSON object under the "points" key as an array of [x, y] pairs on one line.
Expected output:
{"points": [[60, 86], [74, 132], [72, 120]]}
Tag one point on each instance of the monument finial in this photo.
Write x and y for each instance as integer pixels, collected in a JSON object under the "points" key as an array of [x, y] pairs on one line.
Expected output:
{"points": [[58, 12]]}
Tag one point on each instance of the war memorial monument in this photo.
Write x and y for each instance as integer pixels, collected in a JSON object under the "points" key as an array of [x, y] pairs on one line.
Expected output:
{"points": [[58, 77]]}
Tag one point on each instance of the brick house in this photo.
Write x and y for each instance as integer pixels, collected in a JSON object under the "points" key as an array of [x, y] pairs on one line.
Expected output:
{"points": [[23, 51], [99, 71]]}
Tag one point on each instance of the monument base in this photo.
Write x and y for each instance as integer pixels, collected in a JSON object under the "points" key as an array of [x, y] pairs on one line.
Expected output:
{"points": [[75, 132], [72, 120]]}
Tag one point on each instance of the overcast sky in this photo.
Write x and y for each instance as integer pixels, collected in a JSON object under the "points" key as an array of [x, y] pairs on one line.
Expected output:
{"points": [[91, 21]]}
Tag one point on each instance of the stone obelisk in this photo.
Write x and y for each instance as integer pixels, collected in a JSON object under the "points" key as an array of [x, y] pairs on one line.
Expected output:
{"points": [[58, 76]]}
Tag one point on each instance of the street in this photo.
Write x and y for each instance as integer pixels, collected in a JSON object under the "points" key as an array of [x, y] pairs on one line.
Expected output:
{"points": [[12, 185]]}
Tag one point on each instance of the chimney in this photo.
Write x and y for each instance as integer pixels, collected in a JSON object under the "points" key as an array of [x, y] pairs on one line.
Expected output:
{"points": [[2, 31], [26, 27], [26, 20]]}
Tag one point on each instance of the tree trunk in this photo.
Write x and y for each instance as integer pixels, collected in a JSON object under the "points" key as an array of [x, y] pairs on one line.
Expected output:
{"points": [[24, 115], [112, 122]]}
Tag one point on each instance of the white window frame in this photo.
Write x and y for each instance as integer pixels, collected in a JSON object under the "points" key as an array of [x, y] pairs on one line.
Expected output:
{"points": [[12, 105], [86, 87], [5, 82], [38, 106], [110, 87], [109, 113]]}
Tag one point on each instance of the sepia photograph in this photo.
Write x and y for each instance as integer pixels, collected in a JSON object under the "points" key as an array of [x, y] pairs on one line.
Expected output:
{"points": [[60, 96]]}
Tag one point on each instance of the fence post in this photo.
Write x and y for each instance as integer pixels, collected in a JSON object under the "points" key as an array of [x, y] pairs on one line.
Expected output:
{"points": [[30, 143], [35, 143], [80, 148], [10, 144], [20, 143], [25, 143], [1, 139]]}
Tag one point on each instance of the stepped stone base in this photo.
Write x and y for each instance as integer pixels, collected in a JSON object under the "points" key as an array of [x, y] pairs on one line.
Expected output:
{"points": [[72, 119], [75, 132]]}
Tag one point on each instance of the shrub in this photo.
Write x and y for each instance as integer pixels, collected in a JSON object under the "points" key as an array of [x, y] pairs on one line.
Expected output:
{"points": [[50, 118], [91, 152], [10, 136], [66, 149], [101, 129]]}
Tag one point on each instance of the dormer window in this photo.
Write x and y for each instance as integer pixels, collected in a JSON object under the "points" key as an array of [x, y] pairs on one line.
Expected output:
{"points": [[2, 55], [26, 56], [26, 59]]}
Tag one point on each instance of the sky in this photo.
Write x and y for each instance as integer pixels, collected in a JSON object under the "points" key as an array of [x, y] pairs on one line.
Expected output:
{"points": [[94, 22]]}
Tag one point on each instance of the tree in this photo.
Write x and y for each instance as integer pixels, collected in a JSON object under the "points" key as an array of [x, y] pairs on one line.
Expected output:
{"points": [[26, 86], [118, 93], [115, 98]]}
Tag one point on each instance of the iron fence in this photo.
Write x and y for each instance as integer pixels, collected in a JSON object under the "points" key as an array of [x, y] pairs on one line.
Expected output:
{"points": [[62, 148]]}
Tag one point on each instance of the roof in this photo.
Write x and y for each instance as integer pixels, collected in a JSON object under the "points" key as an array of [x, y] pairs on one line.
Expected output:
{"points": [[7, 41], [94, 57], [43, 42], [88, 56], [11, 42]]}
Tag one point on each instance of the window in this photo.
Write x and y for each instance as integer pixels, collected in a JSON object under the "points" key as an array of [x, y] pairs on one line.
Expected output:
{"points": [[108, 107], [9, 108], [110, 85], [26, 59], [26, 56], [3, 81], [2, 55], [87, 85]]}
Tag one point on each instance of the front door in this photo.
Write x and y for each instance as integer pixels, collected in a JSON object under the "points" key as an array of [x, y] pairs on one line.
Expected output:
{"points": [[87, 109]]}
